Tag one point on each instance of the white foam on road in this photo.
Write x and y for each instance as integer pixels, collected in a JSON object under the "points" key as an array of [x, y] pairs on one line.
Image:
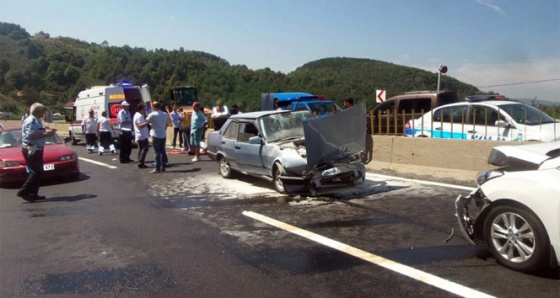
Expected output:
{"points": [[405, 270]]}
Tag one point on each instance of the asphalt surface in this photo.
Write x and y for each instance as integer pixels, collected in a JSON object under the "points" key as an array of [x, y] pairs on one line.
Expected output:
{"points": [[188, 233]]}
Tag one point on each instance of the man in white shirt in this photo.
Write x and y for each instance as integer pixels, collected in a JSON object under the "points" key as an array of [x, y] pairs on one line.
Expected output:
{"points": [[141, 134], [220, 114], [158, 121], [177, 125], [89, 126], [125, 141], [105, 133]]}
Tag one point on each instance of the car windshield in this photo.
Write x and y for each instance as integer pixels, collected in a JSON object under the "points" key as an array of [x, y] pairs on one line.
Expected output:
{"points": [[12, 138], [282, 126], [320, 108], [528, 115]]}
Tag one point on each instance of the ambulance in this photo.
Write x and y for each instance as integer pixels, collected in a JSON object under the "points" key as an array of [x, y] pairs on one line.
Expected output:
{"points": [[105, 98]]}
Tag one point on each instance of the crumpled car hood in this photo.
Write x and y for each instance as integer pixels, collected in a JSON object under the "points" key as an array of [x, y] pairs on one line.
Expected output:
{"points": [[523, 157], [332, 138]]}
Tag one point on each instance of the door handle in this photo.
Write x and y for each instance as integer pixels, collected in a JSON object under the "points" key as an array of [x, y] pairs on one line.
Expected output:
{"points": [[472, 131], [237, 147], [223, 142], [437, 128]]}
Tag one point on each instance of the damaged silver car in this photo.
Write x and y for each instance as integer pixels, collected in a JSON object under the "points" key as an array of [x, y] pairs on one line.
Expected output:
{"points": [[296, 151], [516, 209]]}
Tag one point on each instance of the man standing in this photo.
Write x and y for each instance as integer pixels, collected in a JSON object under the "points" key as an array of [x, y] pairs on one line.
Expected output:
{"points": [[141, 133], [125, 140], [220, 114], [89, 127], [158, 120], [33, 141], [348, 102], [197, 129], [105, 134], [177, 123]]}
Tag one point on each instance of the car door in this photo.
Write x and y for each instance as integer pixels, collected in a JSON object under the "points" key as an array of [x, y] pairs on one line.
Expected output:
{"points": [[488, 123], [249, 156], [449, 122], [228, 143]]}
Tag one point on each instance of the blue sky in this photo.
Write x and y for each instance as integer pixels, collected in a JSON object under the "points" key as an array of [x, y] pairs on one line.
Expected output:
{"points": [[483, 42]]}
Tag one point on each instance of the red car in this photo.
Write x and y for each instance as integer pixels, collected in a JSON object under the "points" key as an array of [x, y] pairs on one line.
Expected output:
{"points": [[58, 158]]}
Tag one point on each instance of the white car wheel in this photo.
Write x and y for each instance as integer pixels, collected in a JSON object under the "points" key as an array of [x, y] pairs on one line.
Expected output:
{"points": [[278, 171], [516, 238], [225, 168]]}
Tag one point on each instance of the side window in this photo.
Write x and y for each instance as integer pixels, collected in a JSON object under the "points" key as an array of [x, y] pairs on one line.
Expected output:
{"points": [[232, 130], [386, 108], [300, 107], [406, 105], [484, 116], [247, 131], [449, 114], [422, 105], [289, 107]]}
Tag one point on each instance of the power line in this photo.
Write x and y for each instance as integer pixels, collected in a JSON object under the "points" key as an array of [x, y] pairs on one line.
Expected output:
{"points": [[520, 83]]}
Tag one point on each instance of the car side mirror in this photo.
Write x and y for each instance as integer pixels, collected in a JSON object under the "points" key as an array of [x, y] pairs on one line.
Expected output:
{"points": [[256, 140]]}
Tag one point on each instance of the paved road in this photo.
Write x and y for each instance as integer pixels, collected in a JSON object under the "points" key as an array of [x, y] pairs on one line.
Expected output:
{"points": [[190, 233]]}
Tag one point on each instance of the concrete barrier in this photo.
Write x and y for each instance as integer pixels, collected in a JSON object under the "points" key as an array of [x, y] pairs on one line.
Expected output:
{"points": [[441, 158]]}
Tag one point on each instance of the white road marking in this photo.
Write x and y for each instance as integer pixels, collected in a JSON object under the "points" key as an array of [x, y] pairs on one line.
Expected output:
{"points": [[427, 278], [97, 163], [424, 182]]}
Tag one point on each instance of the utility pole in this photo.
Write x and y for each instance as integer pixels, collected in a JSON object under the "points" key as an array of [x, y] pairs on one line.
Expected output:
{"points": [[442, 69]]}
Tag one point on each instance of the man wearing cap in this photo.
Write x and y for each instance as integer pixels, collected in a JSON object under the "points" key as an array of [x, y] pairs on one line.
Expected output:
{"points": [[220, 114], [197, 129], [125, 140]]}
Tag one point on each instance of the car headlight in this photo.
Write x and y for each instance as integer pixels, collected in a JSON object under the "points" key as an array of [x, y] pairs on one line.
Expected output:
{"points": [[484, 176], [68, 157], [8, 163]]}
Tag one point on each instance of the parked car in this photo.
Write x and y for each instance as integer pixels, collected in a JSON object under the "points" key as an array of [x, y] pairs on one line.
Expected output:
{"points": [[516, 211], [318, 105], [486, 120], [295, 150], [58, 158], [390, 116]]}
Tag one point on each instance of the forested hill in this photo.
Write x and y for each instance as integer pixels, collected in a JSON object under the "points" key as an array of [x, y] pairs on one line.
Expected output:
{"points": [[54, 69]]}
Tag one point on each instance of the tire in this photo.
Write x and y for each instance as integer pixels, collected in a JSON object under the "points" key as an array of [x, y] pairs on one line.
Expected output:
{"points": [[225, 168], [278, 171], [516, 238], [74, 141]]}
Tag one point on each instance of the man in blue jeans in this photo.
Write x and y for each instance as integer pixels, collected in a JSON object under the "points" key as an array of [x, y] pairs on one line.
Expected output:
{"points": [[158, 121]]}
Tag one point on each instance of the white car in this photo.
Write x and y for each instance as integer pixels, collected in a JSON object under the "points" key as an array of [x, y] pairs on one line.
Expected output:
{"points": [[516, 211], [498, 120]]}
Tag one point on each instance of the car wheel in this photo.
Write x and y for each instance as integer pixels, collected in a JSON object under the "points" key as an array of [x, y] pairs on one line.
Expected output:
{"points": [[225, 168], [74, 141], [516, 238], [278, 171]]}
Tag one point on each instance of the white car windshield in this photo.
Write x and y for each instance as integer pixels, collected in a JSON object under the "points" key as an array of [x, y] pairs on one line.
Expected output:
{"points": [[524, 114], [282, 126]]}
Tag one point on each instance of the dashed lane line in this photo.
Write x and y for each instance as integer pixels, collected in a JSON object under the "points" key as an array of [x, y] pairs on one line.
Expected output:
{"points": [[424, 277], [97, 163]]}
